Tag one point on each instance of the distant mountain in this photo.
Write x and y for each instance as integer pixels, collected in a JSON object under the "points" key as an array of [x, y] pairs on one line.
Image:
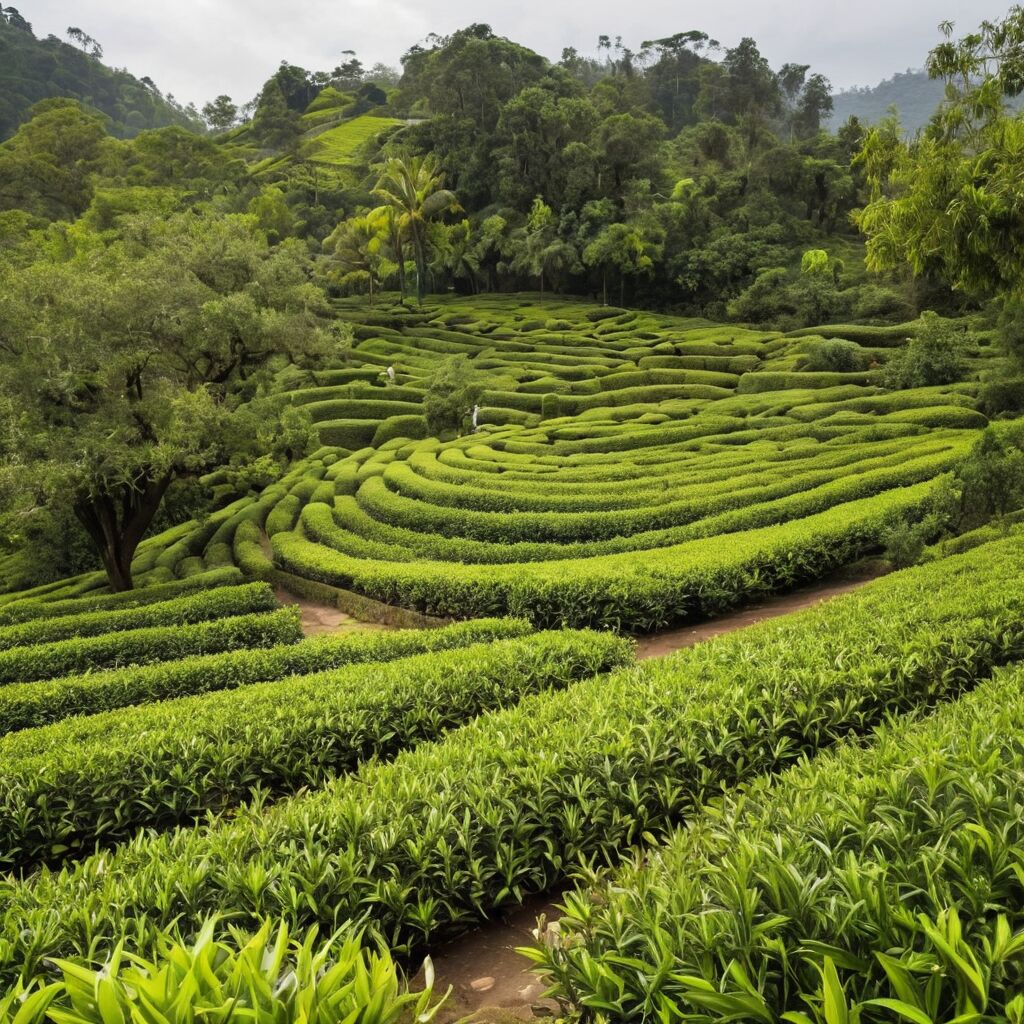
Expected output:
{"points": [[33, 69], [912, 93]]}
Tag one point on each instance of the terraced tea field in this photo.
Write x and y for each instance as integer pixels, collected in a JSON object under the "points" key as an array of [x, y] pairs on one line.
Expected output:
{"points": [[628, 470], [181, 754]]}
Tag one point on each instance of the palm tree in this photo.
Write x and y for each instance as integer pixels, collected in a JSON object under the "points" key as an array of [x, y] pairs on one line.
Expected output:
{"points": [[411, 187]]}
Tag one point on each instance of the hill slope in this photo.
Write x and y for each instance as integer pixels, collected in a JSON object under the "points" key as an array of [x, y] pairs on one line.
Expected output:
{"points": [[34, 69]]}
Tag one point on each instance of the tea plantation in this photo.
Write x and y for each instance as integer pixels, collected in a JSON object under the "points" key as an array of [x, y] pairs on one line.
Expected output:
{"points": [[813, 819], [614, 449]]}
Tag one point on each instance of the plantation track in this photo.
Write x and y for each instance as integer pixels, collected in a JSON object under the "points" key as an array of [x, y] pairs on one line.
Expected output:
{"points": [[317, 618], [656, 645], [486, 958]]}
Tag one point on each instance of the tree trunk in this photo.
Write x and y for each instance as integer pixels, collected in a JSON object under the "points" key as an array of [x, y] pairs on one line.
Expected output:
{"points": [[622, 290], [117, 531], [421, 265], [604, 287], [400, 258]]}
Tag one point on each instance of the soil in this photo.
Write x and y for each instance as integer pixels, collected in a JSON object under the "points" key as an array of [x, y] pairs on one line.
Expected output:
{"points": [[317, 618], [655, 645], [490, 981]]}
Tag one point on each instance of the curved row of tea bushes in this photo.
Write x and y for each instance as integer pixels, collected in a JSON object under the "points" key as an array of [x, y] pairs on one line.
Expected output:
{"points": [[634, 591], [68, 787], [350, 530], [24, 610], [217, 603], [510, 803], [151, 644], [898, 861], [28, 705]]}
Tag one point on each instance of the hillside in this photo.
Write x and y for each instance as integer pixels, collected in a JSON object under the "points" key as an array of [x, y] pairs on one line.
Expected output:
{"points": [[914, 95], [34, 69], [622, 461]]}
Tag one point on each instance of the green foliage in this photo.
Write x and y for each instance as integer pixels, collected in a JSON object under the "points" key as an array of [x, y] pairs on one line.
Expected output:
{"points": [[406, 847], [935, 355], [266, 976], [38, 69], [157, 335], [208, 753], [992, 476], [841, 893], [148, 644], [28, 705], [452, 391], [834, 355]]}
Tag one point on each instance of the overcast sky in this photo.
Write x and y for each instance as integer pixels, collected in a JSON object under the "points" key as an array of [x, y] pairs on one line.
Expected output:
{"points": [[196, 49]]}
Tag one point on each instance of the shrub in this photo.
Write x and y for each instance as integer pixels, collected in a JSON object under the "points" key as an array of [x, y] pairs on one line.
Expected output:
{"points": [[992, 475], [834, 355], [875, 872], [452, 391], [934, 355], [28, 705], [82, 778], [584, 773], [268, 977], [1003, 397], [148, 645]]}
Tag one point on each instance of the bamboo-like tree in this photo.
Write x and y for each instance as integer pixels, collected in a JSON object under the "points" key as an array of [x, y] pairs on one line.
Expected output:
{"points": [[412, 188]]}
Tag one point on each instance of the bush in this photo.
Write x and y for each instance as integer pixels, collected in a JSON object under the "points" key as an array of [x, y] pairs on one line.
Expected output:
{"points": [[28, 705], [1003, 397], [992, 475], [452, 391], [935, 355], [207, 604], [194, 755], [148, 645], [834, 355], [584, 773], [280, 978]]}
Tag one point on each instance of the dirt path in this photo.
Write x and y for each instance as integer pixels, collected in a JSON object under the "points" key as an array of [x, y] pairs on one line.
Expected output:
{"points": [[317, 618], [654, 645], [489, 980]]}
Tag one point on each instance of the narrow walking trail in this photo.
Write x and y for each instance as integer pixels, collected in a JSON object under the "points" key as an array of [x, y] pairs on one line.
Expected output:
{"points": [[317, 618], [490, 981]]}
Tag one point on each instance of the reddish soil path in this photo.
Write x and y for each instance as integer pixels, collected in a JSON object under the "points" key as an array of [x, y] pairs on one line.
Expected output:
{"points": [[489, 980], [317, 618], [654, 645]]}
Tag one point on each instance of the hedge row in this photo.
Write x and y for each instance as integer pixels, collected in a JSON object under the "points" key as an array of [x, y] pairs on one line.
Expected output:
{"points": [[94, 781], [217, 603], [148, 645], [29, 705], [467, 521], [351, 530], [893, 861], [23, 611], [429, 844], [640, 590]]}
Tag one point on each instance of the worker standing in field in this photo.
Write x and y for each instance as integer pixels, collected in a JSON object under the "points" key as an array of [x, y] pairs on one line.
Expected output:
{"points": [[476, 415], [391, 374]]}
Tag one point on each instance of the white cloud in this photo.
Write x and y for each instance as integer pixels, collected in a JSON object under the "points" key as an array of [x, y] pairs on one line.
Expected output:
{"points": [[199, 48]]}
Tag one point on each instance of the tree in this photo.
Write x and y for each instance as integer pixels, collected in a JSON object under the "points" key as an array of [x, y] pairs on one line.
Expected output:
{"points": [[452, 391], [221, 113], [128, 364], [412, 188], [48, 166], [950, 204], [622, 247], [356, 250], [274, 123]]}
